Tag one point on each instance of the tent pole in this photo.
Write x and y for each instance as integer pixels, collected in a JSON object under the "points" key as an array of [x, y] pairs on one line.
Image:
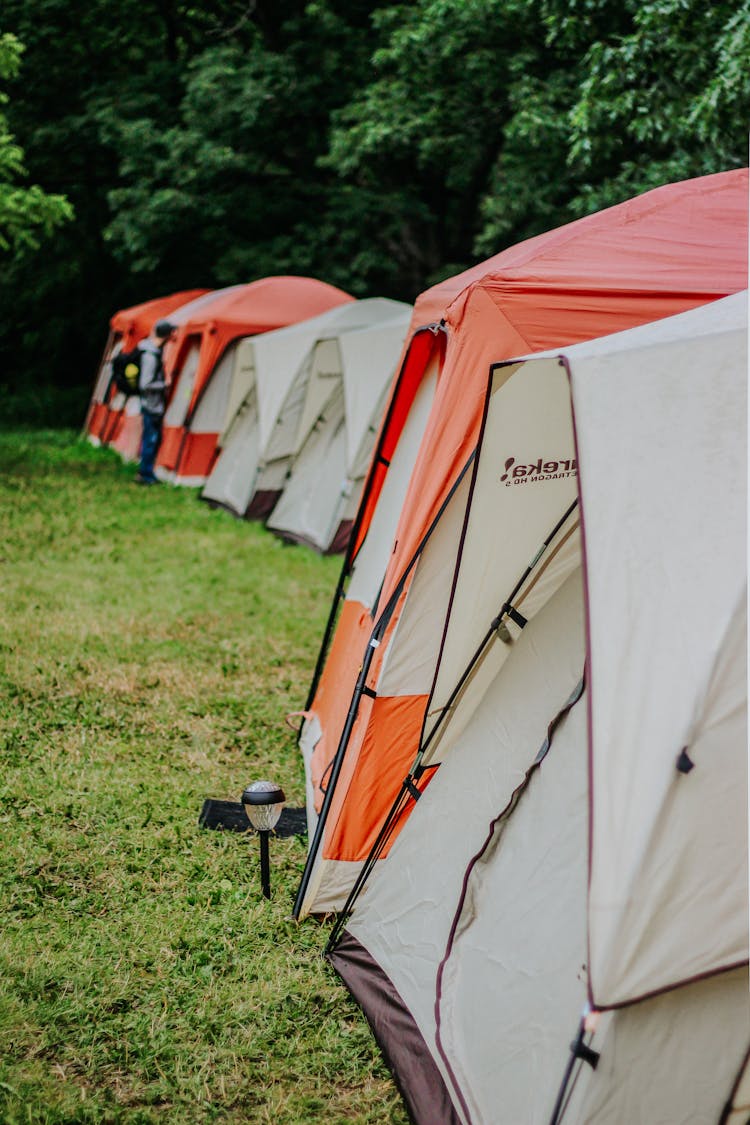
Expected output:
{"points": [[375, 852]]}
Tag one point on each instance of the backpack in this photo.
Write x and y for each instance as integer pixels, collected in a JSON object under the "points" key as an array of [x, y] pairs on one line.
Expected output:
{"points": [[126, 371]]}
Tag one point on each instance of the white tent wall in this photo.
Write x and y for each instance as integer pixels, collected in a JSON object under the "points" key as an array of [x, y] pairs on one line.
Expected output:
{"points": [[406, 911], [230, 482], [242, 383], [210, 415], [348, 379], [671, 1060], [369, 566], [276, 359], [666, 535], [180, 401], [312, 388], [368, 362], [308, 510], [680, 853]]}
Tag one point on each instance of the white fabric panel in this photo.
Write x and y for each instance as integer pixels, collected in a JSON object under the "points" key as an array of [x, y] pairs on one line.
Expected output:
{"points": [[361, 463], [323, 381], [180, 401], [279, 354], [309, 505], [404, 915], [272, 475], [559, 565], [242, 383], [662, 443], [232, 479], [281, 441], [105, 371], [528, 480], [409, 663], [368, 359], [671, 1060], [210, 414], [515, 981], [369, 568]]}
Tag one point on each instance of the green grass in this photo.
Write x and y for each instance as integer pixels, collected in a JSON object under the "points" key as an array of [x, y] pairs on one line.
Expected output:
{"points": [[149, 650]]}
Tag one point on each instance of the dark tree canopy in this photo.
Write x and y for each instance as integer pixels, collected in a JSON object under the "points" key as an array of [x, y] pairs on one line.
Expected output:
{"points": [[379, 146]]}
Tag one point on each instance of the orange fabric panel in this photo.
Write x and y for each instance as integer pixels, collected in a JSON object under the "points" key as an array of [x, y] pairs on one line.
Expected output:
{"points": [[374, 776], [169, 450], [336, 686], [197, 455], [97, 419], [136, 322]]}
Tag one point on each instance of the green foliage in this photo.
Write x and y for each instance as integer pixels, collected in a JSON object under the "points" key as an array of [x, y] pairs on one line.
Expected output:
{"points": [[378, 145], [150, 649], [664, 99], [27, 214]]}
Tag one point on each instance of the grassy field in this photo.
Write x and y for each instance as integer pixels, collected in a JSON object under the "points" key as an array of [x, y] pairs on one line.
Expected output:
{"points": [[150, 648]]}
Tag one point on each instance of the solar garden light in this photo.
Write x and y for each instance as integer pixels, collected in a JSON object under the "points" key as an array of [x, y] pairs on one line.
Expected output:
{"points": [[263, 801]]}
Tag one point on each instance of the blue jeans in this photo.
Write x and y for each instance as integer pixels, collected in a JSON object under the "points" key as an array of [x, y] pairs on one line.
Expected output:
{"points": [[150, 442]]}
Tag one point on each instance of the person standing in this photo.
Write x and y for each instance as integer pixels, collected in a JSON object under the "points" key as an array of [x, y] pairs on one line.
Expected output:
{"points": [[152, 388]]}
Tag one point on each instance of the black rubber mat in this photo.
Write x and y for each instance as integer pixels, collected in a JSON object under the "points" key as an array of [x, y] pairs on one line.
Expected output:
{"points": [[231, 817]]}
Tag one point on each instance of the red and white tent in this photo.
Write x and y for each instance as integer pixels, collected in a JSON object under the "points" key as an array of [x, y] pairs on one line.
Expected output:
{"points": [[204, 348], [578, 866], [105, 420], [667, 251]]}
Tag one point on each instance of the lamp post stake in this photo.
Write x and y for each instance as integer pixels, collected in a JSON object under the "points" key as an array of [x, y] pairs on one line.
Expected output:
{"points": [[265, 868]]}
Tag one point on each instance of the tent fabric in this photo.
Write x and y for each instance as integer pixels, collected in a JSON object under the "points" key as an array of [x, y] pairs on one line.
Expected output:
{"points": [[558, 858], [127, 328], [212, 324], [276, 362], [349, 378], [672, 249]]}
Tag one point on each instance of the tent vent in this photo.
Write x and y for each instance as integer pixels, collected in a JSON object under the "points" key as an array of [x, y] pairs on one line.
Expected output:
{"points": [[684, 762]]}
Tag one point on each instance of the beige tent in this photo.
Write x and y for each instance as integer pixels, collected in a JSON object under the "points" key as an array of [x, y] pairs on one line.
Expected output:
{"points": [[590, 700], [276, 405], [349, 377]]}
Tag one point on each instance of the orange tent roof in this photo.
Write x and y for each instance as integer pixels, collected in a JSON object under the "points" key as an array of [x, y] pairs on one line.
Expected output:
{"points": [[135, 323], [245, 310], [661, 253]]}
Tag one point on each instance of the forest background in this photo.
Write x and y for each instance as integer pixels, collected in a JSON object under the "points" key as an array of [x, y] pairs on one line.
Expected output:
{"points": [[162, 145]]}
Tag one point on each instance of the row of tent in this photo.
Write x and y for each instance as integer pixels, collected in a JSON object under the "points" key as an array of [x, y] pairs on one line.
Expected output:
{"points": [[276, 392], [526, 738], [525, 742]]}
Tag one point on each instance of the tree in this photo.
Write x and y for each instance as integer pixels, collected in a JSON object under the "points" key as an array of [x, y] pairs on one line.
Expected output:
{"points": [[27, 213]]}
